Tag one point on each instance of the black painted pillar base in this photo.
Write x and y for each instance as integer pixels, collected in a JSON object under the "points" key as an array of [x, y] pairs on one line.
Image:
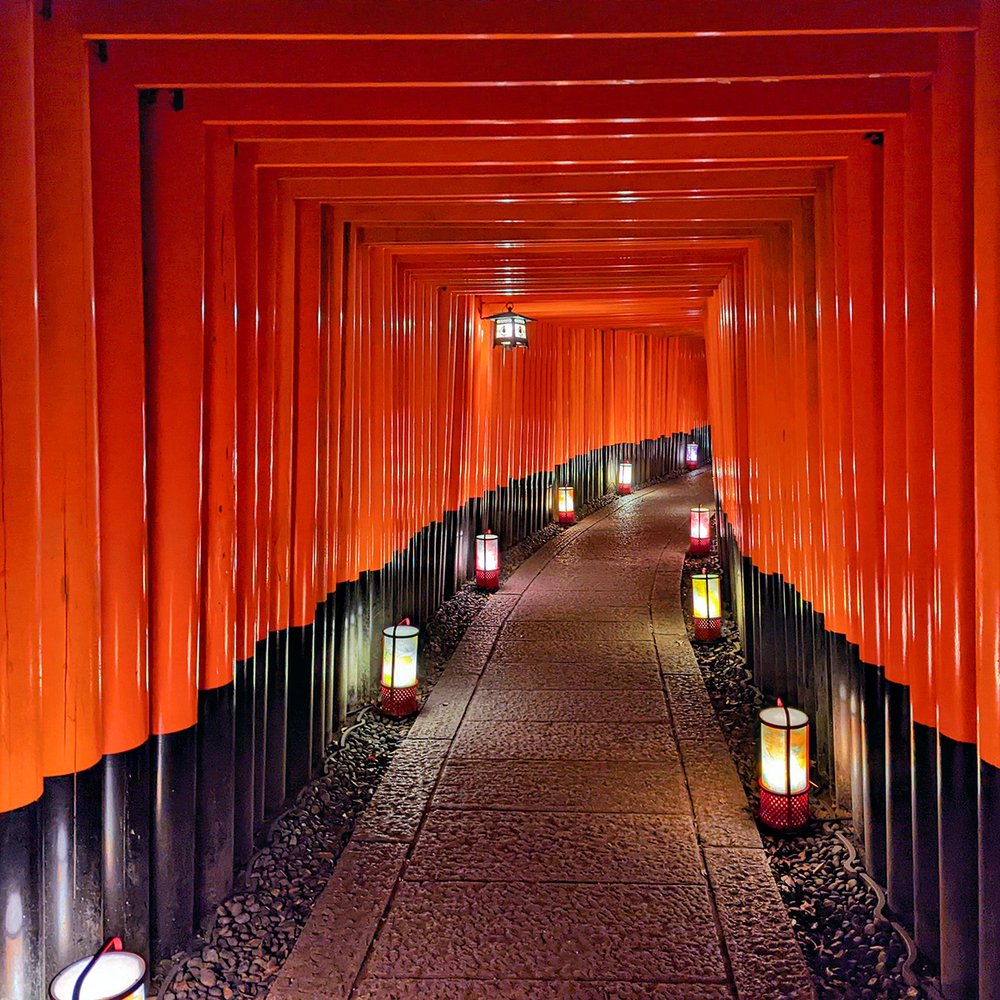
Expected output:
{"points": [[276, 737], [125, 863], [215, 798], [260, 655], [298, 761], [872, 679], [899, 808], [989, 882], [245, 764], [21, 902], [71, 866], [926, 901], [174, 760], [319, 681], [958, 832]]}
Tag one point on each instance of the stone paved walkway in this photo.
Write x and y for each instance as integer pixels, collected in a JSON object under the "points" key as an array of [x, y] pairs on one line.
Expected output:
{"points": [[564, 819]]}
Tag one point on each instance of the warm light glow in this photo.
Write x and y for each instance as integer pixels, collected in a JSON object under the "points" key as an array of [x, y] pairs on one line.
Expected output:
{"points": [[706, 595], [784, 750], [487, 553], [399, 656], [116, 974], [565, 499], [624, 473], [510, 329], [701, 522]]}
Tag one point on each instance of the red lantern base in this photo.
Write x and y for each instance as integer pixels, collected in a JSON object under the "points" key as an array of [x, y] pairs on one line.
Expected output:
{"points": [[783, 812], [488, 579], [691, 465], [567, 517], [624, 489], [707, 629], [700, 546], [398, 702]]}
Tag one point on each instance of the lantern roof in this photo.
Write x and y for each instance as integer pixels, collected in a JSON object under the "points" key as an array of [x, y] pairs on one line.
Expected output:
{"points": [[509, 311]]}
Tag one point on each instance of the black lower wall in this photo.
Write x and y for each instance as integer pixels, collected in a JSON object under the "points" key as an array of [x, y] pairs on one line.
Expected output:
{"points": [[146, 843], [924, 804]]}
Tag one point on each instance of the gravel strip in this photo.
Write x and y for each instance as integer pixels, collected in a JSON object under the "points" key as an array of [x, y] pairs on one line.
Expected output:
{"points": [[244, 943], [851, 954]]}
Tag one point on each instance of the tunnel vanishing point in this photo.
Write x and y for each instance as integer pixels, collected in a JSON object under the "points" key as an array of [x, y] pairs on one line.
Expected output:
{"points": [[250, 409]]}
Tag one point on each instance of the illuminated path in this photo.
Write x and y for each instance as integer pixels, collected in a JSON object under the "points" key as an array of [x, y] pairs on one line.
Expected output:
{"points": [[565, 810]]}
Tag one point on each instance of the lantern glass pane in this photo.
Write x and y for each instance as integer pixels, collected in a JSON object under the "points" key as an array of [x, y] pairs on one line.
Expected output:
{"points": [[706, 595], [784, 751], [701, 522], [399, 656], [487, 553], [505, 329], [625, 473], [692, 451], [565, 499], [113, 974]]}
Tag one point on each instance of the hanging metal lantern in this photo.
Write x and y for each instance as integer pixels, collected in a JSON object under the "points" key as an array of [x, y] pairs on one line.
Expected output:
{"points": [[624, 478], [487, 561], [706, 606], [691, 455], [399, 669], [510, 329], [701, 530], [784, 767], [567, 514], [111, 974]]}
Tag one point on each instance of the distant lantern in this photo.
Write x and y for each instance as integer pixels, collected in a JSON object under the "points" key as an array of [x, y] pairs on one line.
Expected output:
{"points": [[624, 478], [399, 669], [510, 329], [111, 974], [701, 530], [692, 455], [567, 514], [784, 767], [487, 561], [706, 606]]}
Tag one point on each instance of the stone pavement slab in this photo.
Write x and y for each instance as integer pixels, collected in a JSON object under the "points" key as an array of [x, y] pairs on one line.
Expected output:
{"points": [[582, 631], [583, 786], [574, 650], [532, 989], [332, 945], [748, 900], [529, 740], [559, 610], [511, 846], [615, 676], [549, 930], [642, 705]]}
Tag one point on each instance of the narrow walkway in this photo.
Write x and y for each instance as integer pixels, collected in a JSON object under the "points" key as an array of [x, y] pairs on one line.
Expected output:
{"points": [[564, 820]]}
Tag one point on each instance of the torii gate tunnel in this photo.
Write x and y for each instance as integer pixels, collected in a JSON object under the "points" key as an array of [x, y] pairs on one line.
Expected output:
{"points": [[250, 411]]}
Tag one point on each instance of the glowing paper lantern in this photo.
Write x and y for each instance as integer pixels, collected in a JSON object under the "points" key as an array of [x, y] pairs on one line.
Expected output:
{"points": [[784, 767], [111, 974], [706, 606], [510, 329], [691, 455], [624, 478], [701, 530], [487, 561], [567, 515], [399, 669]]}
